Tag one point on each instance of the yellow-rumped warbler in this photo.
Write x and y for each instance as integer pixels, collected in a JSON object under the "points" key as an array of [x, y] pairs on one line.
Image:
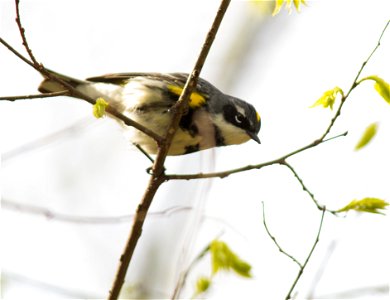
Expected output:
{"points": [[213, 119]]}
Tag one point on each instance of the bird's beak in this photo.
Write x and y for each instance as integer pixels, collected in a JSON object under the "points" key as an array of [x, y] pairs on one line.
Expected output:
{"points": [[254, 136]]}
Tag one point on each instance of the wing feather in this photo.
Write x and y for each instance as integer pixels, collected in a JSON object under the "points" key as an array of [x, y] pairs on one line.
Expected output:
{"points": [[121, 78]]}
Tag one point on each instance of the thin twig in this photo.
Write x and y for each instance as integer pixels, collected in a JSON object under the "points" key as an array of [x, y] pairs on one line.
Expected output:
{"points": [[305, 188], [144, 152], [223, 174], [158, 176], [276, 243], [36, 96], [300, 272], [356, 82], [300, 265], [20, 56], [24, 39]]}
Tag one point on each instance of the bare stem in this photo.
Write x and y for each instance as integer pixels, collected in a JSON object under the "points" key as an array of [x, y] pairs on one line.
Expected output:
{"points": [[144, 152], [305, 188], [300, 265], [10, 48], [276, 243], [300, 272], [37, 96], [356, 82], [223, 174]]}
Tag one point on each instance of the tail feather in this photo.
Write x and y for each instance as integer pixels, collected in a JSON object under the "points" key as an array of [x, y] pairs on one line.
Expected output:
{"points": [[49, 85]]}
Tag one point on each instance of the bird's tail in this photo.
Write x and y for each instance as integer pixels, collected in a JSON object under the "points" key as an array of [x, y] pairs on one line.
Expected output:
{"points": [[49, 85]]}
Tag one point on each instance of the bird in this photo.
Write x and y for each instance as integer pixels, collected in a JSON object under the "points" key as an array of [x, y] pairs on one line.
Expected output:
{"points": [[213, 119]]}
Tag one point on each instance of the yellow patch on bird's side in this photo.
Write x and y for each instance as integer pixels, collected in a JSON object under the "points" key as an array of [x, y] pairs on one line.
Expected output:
{"points": [[258, 117], [196, 99]]}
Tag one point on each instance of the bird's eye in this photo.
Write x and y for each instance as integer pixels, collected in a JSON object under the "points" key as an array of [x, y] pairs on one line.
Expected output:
{"points": [[239, 118]]}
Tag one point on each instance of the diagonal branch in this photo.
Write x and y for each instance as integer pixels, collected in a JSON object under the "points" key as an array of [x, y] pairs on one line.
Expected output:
{"points": [[22, 31], [158, 177], [356, 81]]}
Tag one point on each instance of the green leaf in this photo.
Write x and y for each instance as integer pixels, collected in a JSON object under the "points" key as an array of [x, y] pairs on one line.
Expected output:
{"points": [[202, 285], [99, 108], [367, 136], [223, 258], [328, 98], [381, 86], [371, 205]]}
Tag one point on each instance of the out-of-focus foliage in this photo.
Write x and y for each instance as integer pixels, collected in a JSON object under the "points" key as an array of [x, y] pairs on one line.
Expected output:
{"points": [[202, 285], [279, 4], [222, 259], [367, 136], [266, 6]]}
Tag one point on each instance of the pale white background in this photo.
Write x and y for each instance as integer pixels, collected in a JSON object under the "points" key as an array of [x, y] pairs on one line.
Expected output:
{"points": [[281, 65]]}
